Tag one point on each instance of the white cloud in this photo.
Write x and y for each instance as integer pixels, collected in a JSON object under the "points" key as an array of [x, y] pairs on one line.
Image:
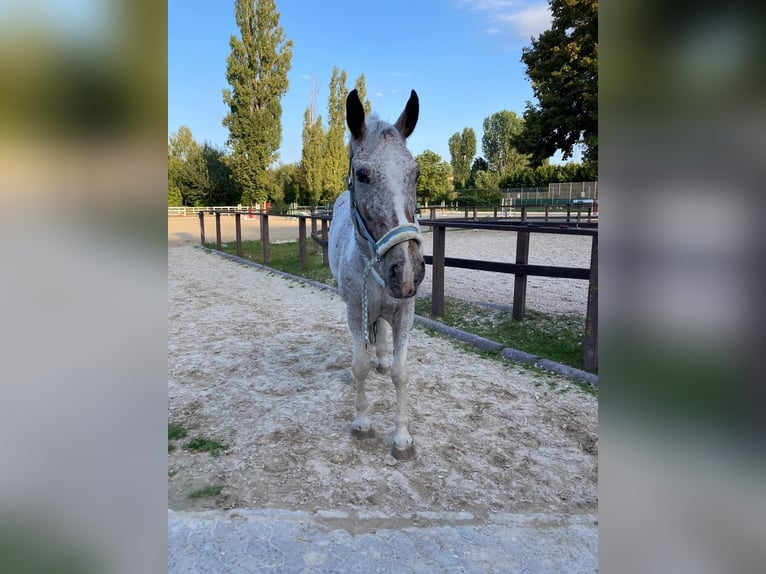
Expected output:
{"points": [[528, 22], [522, 18], [379, 94]]}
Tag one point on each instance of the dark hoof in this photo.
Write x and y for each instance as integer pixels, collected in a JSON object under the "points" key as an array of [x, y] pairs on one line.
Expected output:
{"points": [[383, 370], [363, 434], [404, 453]]}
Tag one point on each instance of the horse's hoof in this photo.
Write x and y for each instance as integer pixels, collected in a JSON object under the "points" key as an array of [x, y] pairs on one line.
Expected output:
{"points": [[382, 369], [360, 434], [404, 453]]}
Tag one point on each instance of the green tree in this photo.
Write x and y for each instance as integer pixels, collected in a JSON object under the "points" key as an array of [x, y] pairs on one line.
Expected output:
{"points": [[312, 157], [361, 87], [180, 144], [562, 65], [222, 189], [256, 70], [288, 178], [194, 180], [501, 130], [462, 149], [479, 164], [434, 180], [336, 156]]}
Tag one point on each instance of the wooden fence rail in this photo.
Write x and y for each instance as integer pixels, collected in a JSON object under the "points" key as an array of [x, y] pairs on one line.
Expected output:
{"points": [[521, 269]]}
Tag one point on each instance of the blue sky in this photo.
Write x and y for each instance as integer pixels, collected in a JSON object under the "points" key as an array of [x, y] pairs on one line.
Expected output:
{"points": [[462, 57]]}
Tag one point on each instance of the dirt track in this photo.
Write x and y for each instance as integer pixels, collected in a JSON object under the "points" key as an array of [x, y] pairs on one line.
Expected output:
{"points": [[262, 364]]}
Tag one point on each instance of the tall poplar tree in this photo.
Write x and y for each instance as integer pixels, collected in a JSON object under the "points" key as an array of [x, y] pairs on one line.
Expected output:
{"points": [[312, 157], [361, 87], [462, 149], [256, 70], [337, 156]]}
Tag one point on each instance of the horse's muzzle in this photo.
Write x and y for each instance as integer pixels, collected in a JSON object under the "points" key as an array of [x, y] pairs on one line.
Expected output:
{"points": [[404, 270]]}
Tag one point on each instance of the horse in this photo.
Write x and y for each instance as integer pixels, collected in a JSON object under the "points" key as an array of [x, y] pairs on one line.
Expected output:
{"points": [[376, 256]]}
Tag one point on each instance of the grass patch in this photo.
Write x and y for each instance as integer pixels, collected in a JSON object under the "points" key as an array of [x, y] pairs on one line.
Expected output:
{"points": [[207, 491], [555, 337], [202, 444], [176, 431], [284, 256]]}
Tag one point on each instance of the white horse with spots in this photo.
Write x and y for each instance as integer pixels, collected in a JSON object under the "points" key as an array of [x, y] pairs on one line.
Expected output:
{"points": [[376, 255]]}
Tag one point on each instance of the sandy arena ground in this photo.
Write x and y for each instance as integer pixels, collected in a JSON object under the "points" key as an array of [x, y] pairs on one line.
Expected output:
{"points": [[262, 363]]}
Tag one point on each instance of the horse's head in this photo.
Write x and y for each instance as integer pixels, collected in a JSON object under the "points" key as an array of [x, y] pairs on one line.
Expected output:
{"points": [[384, 184]]}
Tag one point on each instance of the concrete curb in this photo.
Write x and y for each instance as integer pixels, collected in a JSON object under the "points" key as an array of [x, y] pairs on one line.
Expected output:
{"points": [[275, 540], [480, 343]]}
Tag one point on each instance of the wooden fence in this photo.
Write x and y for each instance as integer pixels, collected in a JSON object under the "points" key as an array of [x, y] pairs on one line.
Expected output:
{"points": [[521, 269]]}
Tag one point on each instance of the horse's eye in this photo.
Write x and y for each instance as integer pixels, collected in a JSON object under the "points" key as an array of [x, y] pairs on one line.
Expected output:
{"points": [[363, 175]]}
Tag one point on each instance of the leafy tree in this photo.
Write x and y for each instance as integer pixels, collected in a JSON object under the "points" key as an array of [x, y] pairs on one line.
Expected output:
{"points": [[256, 69], [222, 189], [479, 164], [288, 178], [434, 180], [336, 157], [462, 149], [562, 65], [194, 180], [501, 131], [312, 157], [484, 179], [180, 144], [361, 87]]}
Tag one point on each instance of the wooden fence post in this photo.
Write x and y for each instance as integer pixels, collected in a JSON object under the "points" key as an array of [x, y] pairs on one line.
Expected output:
{"points": [[218, 229], [265, 236], [238, 227], [437, 275], [314, 246], [520, 281], [547, 208], [302, 242], [325, 254], [202, 228], [590, 342]]}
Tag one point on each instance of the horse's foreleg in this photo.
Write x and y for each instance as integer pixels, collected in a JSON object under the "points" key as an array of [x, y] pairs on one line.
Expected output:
{"points": [[404, 447], [381, 346], [360, 366]]}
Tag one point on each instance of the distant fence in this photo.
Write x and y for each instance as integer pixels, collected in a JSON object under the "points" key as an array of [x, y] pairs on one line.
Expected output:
{"points": [[293, 211], [521, 269], [552, 194]]}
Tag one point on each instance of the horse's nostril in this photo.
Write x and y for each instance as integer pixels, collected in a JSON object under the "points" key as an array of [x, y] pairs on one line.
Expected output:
{"points": [[395, 270]]}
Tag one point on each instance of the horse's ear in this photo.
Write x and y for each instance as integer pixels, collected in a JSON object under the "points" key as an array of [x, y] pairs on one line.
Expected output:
{"points": [[406, 122], [355, 114]]}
